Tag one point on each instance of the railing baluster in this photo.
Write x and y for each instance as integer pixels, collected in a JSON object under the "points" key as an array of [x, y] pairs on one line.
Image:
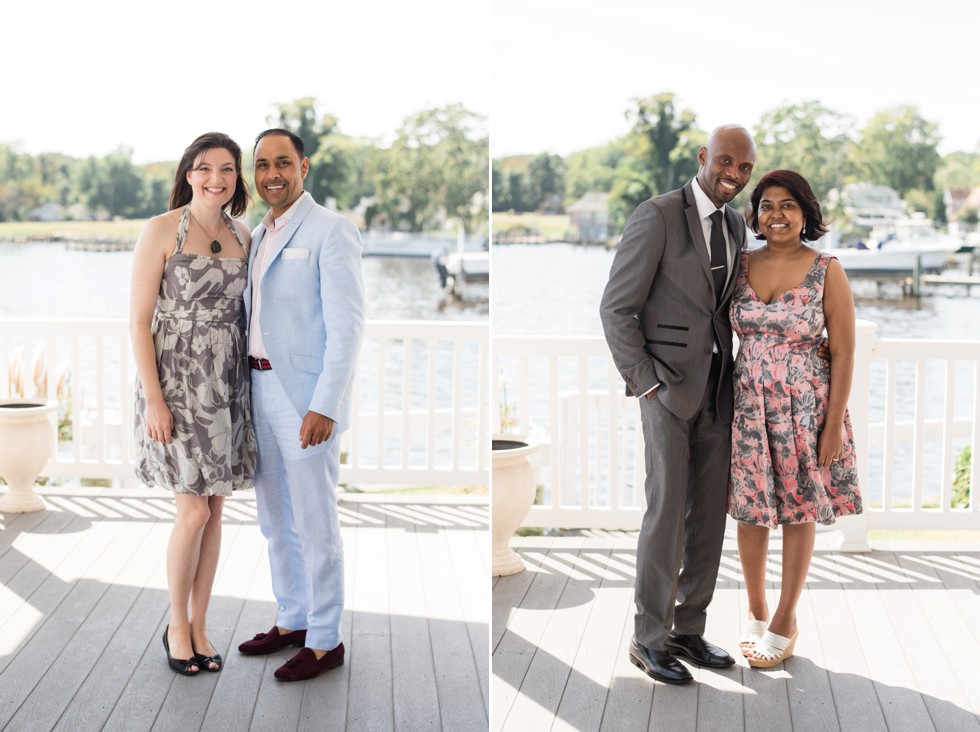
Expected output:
{"points": [[406, 399], [891, 409], [946, 471], [457, 399], [975, 449], [583, 432], [430, 391], [615, 483], [918, 434]]}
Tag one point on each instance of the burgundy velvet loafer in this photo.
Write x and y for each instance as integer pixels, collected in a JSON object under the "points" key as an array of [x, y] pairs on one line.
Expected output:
{"points": [[265, 643], [304, 664]]}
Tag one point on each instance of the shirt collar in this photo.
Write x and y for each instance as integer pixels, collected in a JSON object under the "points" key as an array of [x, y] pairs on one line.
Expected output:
{"points": [[705, 205], [272, 224]]}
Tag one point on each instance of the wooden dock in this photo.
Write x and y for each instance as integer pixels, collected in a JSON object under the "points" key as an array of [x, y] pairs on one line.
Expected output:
{"points": [[888, 641], [83, 605]]}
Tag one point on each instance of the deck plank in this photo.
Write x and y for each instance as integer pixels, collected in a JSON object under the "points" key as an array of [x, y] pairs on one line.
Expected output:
{"points": [[371, 702], [85, 594], [92, 612], [932, 644], [551, 666], [584, 696], [457, 678], [887, 642], [414, 690]]}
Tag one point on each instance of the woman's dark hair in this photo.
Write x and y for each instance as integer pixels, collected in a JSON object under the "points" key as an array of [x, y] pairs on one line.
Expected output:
{"points": [[293, 138], [799, 189], [181, 193]]}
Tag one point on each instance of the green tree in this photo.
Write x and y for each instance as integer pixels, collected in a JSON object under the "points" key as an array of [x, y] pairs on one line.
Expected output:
{"points": [[898, 149], [657, 128], [958, 170], [656, 159], [436, 167], [592, 169], [333, 156], [511, 184], [546, 177], [808, 138]]}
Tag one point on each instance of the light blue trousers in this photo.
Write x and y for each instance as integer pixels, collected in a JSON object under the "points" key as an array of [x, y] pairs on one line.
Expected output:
{"points": [[295, 491]]}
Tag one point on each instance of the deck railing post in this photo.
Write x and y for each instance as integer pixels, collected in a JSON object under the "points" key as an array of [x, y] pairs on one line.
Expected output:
{"points": [[854, 529]]}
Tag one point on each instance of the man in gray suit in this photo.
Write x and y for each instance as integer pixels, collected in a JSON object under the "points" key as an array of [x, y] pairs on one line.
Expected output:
{"points": [[665, 316]]}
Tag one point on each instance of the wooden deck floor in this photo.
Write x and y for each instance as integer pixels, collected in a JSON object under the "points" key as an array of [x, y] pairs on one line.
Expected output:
{"points": [[888, 641], [83, 604]]}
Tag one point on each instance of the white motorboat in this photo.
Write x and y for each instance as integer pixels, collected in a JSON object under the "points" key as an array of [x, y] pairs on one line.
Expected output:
{"points": [[461, 267], [900, 248]]}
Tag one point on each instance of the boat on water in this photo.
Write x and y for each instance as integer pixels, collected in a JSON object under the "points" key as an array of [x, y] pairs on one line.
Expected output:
{"points": [[399, 244], [901, 247], [461, 267]]}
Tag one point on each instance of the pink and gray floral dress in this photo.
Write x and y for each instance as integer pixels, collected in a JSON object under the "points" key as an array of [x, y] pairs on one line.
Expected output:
{"points": [[781, 396]]}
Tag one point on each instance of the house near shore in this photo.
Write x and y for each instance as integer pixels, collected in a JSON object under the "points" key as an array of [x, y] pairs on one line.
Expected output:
{"points": [[49, 211], [590, 220], [870, 205]]}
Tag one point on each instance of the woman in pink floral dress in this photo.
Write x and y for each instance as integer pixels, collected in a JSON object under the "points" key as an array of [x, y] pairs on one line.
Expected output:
{"points": [[793, 462]]}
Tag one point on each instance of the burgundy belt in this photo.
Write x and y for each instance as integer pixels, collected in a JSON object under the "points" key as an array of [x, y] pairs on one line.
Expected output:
{"points": [[260, 364]]}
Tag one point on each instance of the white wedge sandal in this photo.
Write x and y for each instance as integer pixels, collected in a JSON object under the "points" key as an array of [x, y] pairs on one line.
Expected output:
{"points": [[771, 650], [751, 635]]}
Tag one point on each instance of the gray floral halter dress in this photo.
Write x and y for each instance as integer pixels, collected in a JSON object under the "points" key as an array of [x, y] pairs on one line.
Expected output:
{"points": [[199, 338]]}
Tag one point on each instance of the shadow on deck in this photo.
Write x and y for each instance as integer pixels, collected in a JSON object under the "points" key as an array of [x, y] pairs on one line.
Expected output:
{"points": [[889, 640], [83, 604]]}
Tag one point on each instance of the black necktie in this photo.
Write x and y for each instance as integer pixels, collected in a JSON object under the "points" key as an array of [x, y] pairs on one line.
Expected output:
{"points": [[719, 257]]}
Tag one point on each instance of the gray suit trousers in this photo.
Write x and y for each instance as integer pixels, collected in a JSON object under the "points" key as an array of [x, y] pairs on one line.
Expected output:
{"points": [[679, 548]]}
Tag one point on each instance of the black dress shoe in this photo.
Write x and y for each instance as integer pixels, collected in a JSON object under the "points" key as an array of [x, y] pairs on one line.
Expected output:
{"points": [[697, 650], [659, 665]]}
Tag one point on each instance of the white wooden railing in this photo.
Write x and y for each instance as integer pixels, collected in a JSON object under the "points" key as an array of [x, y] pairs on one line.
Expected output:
{"points": [[419, 410], [914, 406]]}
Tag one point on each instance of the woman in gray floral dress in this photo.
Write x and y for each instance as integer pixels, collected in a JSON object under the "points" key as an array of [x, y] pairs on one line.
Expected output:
{"points": [[793, 462], [193, 429]]}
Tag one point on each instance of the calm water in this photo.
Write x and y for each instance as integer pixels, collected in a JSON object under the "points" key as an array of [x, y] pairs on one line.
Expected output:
{"points": [[554, 289], [47, 280]]}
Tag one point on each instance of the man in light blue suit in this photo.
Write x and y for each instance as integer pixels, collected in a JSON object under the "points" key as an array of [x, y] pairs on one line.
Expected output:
{"points": [[305, 304]]}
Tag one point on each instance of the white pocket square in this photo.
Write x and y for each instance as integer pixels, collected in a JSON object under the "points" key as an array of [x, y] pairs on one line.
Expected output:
{"points": [[295, 253]]}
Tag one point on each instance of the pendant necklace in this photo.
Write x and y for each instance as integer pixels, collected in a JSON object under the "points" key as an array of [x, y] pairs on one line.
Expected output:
{"points": [[215, 244]]}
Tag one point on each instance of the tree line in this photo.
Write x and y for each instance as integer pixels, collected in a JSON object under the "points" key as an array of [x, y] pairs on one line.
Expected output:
{"points": [[435, 168], [897, 148]]}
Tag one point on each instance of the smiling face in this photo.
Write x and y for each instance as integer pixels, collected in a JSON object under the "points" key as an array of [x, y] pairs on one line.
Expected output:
{"points": [[780, 217], [279, 172], [213, 177], [726, 164]]}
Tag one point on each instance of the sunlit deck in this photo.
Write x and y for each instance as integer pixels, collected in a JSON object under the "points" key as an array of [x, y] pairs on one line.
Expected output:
{"points": [[889, 640], [83, 604]]}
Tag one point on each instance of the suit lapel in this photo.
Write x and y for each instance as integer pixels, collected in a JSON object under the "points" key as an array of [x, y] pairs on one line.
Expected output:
{"points": [[697, 231], [295, 219]]}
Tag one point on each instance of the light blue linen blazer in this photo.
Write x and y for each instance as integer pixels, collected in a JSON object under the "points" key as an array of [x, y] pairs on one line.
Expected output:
{"points": [[313, 309]]}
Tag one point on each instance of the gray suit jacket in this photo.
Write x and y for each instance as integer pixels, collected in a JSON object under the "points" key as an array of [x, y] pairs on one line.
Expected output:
{"points": [[658, 310]]}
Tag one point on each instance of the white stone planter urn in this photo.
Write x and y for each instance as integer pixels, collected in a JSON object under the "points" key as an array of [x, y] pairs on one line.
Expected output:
{"points": [[512, 496], [28, 438]]}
